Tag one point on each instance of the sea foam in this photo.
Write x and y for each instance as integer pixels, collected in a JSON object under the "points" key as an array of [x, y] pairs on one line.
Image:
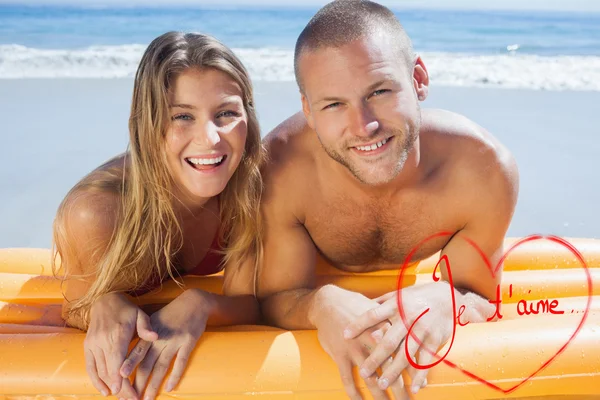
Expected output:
{"points": [[509, 70]]}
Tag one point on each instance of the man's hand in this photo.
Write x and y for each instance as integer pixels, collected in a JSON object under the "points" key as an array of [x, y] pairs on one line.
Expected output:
{"points": [[337, 309], [432, 306]]}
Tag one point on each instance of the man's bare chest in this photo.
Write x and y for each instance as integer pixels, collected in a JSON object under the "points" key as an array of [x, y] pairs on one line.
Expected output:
{"points": [[360, 237]]}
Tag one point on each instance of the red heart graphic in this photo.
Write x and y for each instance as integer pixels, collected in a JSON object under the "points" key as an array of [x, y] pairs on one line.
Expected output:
{"points": [[493, 271]]}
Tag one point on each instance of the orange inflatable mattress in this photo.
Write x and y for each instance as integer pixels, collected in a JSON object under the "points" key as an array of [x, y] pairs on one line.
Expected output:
{"points": [[529, 353]]}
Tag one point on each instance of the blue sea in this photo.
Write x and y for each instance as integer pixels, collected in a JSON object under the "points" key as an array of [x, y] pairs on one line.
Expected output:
{"points": [[520, 49]]}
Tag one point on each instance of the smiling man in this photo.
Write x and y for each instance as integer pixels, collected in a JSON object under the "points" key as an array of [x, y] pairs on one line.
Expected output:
{"points": [[359, 178]]}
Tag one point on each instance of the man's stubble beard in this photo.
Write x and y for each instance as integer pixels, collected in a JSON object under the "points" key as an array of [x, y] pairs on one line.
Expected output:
{"points": [[408, 142]]}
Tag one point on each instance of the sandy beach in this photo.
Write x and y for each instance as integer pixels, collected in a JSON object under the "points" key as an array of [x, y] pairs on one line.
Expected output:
{"points": [[56, 130]]}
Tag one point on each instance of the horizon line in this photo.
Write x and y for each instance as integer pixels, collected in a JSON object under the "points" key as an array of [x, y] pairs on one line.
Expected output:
{"points": [[267, 4]]}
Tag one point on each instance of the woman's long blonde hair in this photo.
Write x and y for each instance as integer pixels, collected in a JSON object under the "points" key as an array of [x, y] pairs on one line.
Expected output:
{"points": [[147, 234]]}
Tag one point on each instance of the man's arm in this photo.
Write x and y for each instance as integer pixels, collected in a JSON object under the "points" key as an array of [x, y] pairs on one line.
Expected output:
{"points": [[286, 277], [286, 282], [489, 182], [496, 191], [286, 274], [238, 304]]}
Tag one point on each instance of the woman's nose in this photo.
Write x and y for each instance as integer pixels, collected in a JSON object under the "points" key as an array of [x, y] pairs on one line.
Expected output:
{"points": [[208, 134]]}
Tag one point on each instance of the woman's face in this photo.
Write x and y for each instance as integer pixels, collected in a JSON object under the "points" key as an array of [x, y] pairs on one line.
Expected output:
{"points": [[207, 132]]}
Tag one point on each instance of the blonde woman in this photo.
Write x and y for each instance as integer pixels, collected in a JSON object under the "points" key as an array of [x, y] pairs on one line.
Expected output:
{"points": [[183, 200]]}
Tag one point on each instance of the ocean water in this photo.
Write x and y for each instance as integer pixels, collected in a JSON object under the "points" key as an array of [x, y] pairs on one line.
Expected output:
{"points": [[534, 50]]}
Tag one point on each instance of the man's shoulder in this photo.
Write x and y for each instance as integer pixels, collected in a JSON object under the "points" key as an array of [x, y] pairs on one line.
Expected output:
{"points": [[475, 159], [289, 164], [288, 139], [288, 147], [463, 142]]}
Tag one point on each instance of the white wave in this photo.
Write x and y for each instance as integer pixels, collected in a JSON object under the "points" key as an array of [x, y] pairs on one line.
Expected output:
{"points": [[514, 71], [511, 70], [18, 61]]}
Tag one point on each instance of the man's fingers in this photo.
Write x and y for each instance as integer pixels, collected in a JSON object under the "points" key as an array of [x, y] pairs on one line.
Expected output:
{"points": [[385, 297], [183, 355], [385, 349], [345, 367], [397, 387], [136, 356], [367, 320], [400, 363], [377, 335], [358, 357], [412, 371], [144, 327], [399, 390], [477, 309], [380, 332], [90, 366], [426, 357], [376, 391]]}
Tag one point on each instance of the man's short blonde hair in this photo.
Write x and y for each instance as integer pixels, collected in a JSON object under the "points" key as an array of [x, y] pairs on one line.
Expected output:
{"points": [[343, 21]]}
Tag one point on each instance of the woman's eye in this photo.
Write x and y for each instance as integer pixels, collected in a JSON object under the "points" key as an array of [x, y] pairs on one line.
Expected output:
{"points": [[183, 117], [225, 114]]}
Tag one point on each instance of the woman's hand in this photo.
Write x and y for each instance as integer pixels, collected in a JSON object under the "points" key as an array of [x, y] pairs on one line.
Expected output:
{"points": [[113, 322], [179, 326]]}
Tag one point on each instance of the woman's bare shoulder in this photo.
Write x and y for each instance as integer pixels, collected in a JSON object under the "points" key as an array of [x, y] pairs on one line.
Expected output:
{"points": [[88, 215]]}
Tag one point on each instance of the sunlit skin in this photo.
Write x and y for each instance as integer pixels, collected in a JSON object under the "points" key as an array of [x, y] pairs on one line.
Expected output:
{"points": [[329, 199], [361, 94], [208, 121]]}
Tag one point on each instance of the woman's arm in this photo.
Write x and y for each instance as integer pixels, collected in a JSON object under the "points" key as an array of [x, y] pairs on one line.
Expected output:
{"points": [[182, 322], [83, 230]]}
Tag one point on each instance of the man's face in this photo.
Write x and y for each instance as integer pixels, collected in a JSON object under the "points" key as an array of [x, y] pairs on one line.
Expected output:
{"points": [[361, 100]]}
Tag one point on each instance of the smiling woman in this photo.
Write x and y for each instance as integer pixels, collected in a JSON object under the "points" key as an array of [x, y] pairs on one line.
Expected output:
{"points": [[207, 134], [183, 200]]}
